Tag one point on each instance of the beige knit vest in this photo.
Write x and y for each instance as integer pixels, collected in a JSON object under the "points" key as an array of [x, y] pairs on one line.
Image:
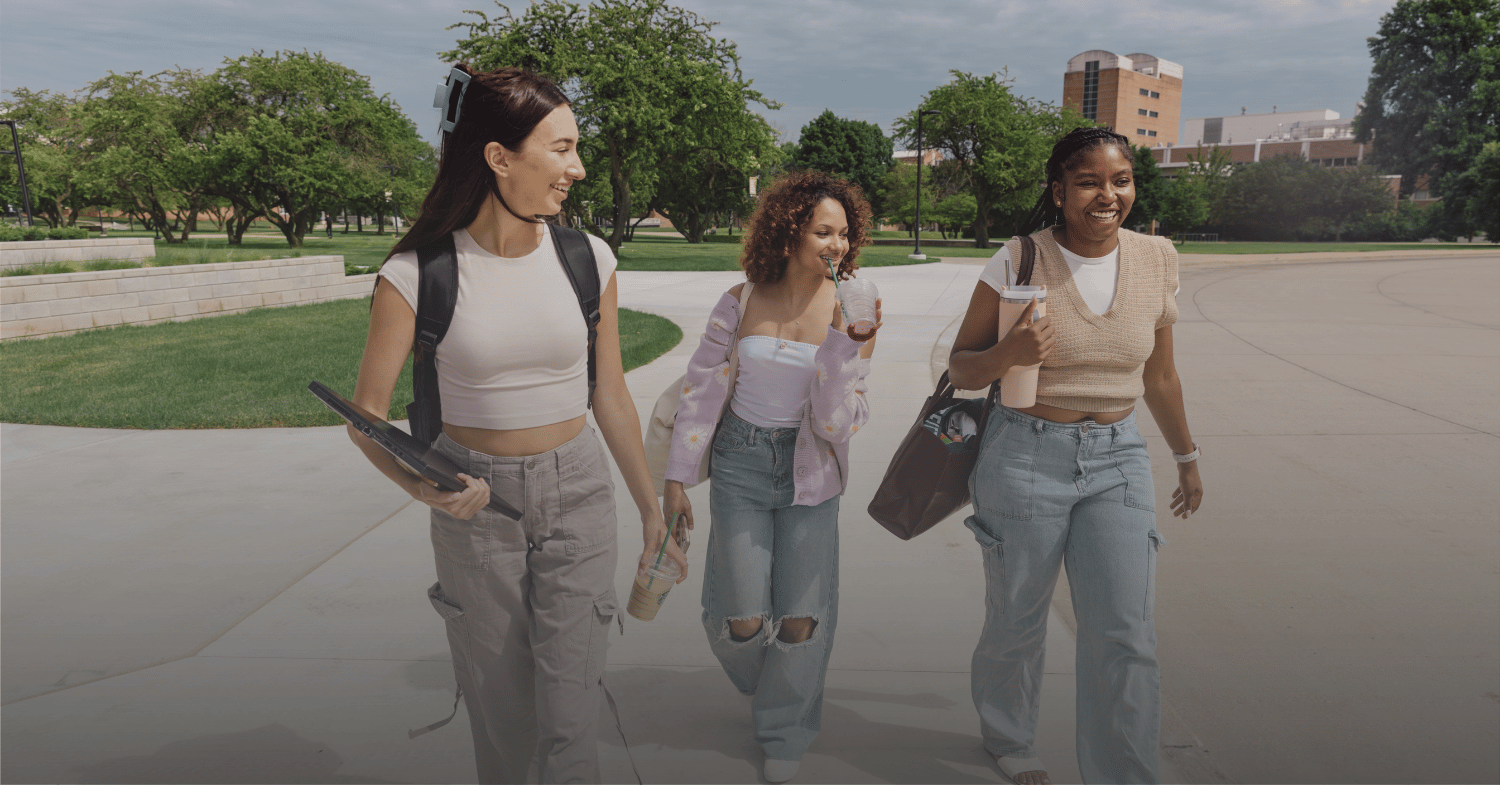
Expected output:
{"points": [[1096, 363]]}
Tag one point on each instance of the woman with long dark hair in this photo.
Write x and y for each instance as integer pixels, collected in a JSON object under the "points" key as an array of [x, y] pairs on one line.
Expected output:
{"points": [[528, 604], [780, 454], [1068, 481]]}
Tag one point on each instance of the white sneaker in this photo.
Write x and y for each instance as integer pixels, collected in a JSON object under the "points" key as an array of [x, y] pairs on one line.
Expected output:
{"points": [[780, 770]]}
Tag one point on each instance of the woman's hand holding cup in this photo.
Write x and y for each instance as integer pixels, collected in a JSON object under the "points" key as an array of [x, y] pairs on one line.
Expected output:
{"points": [[1028, 342], [674, 504]]}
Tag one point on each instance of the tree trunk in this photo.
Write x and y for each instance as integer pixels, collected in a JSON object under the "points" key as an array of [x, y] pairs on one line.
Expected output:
{"points": [[359, 223], [982, 224], [380, 221]]}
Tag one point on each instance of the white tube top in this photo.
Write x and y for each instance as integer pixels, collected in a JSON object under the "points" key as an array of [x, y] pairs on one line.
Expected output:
{"points": [[775, 381]]}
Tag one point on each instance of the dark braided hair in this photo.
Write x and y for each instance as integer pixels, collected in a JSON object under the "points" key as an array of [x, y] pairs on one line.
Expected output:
{"points": [[1046, 213]]}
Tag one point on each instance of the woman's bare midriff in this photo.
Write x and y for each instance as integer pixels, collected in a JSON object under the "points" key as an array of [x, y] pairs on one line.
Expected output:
{"points": [[1056, 414], [519, 442]]}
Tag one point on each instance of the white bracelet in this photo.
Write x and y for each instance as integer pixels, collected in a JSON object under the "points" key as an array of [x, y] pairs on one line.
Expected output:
{"points": [[1188, 458]]}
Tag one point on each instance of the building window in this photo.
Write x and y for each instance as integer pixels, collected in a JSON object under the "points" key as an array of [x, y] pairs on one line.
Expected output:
{"points": [[1151, 133], [1141, 131], [1153, 114], [1141, 112], [1144, 91], [1155, 94], [1213, 130], [1091, 89]]}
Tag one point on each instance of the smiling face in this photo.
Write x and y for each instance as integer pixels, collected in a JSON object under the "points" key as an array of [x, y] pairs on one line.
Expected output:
{"points": [[1096, 191], [825, 236], [535, 179]]}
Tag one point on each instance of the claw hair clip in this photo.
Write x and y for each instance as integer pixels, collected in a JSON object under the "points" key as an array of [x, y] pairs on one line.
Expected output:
{"points": [[450, 98]]}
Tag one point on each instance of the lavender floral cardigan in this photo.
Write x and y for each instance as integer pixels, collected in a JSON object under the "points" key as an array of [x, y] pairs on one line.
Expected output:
{"points": [[837, 409]]}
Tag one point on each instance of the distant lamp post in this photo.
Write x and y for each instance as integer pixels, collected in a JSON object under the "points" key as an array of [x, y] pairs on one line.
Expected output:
{"points": [[917, 252], [395, 208], [15, 144]]}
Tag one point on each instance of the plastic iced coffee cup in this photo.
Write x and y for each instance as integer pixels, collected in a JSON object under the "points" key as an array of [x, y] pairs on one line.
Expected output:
{"points": [[1018, 385], [857, 297], [650, 589]]}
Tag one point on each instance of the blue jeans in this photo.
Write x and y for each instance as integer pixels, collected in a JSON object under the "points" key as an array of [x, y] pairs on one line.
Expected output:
{"points": [[1046, 495], [771, 560]]}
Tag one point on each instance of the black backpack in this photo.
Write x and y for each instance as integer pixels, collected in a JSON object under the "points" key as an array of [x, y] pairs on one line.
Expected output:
{"points": [[437, 293]]}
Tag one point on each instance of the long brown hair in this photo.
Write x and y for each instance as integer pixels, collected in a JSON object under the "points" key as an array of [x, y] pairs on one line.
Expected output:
{"points": [[505, 106], [775, 231]]}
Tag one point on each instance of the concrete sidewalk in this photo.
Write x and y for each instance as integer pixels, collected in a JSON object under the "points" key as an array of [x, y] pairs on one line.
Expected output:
{"points": [[248, 606]]}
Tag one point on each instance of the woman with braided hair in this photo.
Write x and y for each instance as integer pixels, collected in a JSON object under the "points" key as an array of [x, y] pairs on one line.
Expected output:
{"points": [[1067, 482]]}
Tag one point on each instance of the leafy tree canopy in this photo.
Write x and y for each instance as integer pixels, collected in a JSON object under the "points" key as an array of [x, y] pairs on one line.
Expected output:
{"points": [[1001, 139], [639, 73], [1433, 100], [852, 149]]}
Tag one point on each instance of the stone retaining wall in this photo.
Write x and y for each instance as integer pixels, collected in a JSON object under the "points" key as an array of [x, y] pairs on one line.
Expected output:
{"points": [[43, 305], [20, 254]]}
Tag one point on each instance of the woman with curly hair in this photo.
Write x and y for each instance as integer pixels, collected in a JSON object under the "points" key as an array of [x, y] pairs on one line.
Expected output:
{"points": [[780, 455]]}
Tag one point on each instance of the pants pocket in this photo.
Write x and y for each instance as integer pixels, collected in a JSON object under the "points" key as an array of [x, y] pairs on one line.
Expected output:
{"points": [[994, 566], [465, 543], [601, 616], [1154, 542], [1005, 474], [1135, 466]]}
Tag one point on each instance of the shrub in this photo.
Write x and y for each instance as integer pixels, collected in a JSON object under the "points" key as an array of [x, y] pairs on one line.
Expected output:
{"points": [[19, 233]]}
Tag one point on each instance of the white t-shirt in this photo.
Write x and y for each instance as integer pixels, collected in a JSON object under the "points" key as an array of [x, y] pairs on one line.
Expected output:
{"points": [[1097, 279], [516, 354]]}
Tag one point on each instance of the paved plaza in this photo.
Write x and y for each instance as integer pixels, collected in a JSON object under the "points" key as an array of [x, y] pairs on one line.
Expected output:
{"points": [[249, 606]]}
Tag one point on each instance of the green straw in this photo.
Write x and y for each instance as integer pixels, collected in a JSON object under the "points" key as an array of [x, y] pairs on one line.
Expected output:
{"points": [[670, 528], [834, 271]]}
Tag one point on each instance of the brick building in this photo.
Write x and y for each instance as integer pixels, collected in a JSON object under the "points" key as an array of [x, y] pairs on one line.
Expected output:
{"points": [[1138, 95]]}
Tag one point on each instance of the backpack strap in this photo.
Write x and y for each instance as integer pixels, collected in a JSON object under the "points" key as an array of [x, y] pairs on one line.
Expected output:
{"points": [[577, 256], [1026, 265], [437, 294]]}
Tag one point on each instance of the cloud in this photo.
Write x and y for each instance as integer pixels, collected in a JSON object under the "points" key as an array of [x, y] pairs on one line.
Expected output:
{"points": [[864, 59]]}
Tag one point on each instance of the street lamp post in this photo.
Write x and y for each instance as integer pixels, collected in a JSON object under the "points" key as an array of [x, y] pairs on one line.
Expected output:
{"points": [[15, 143], [917, 252]]}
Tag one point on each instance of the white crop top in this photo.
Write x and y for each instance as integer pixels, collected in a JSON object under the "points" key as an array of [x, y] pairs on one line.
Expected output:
{"points": [[1096, 278], [775, 381], [516, 355]]}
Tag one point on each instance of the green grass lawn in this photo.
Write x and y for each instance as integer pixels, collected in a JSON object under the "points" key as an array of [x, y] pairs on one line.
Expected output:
{"points": [[671, 253], [246, 370]]}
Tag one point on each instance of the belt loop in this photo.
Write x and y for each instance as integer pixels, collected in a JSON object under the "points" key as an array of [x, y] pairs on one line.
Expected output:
{"points": [[1036, 425]]}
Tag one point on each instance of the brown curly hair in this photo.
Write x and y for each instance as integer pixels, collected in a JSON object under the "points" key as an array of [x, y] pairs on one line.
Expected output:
{"points": [[776, 228]]}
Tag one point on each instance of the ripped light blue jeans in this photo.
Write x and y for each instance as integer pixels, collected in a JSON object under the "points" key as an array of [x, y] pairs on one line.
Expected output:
{"points": [[1049, 494], [771, 560]]}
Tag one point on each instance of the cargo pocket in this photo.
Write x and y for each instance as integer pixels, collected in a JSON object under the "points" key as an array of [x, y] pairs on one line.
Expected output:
{"points": [[603, 614], [1154, 542], [445, 607], [994, 566]]}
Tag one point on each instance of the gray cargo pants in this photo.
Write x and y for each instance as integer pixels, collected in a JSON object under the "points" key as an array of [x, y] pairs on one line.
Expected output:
{"points": [[528, 607]]}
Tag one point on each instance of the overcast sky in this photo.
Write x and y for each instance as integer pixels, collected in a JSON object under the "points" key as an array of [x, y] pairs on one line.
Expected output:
{"points": [[864, 59]]}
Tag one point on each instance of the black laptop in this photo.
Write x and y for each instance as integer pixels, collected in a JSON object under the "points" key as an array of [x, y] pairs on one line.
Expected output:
{"points": [[418, 458]]}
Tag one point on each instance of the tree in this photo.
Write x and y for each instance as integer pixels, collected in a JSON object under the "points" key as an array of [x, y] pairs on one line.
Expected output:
{"points": [[1002, 140], [299, 130], [1212, 168], [1341, 197], [1183, 203], [52, 144], [898, 195], [852, 149], [952, 213], [706, 171], [1476, 188], [1151, 189], [1433, 99], [636, 69], [151, 155]]}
